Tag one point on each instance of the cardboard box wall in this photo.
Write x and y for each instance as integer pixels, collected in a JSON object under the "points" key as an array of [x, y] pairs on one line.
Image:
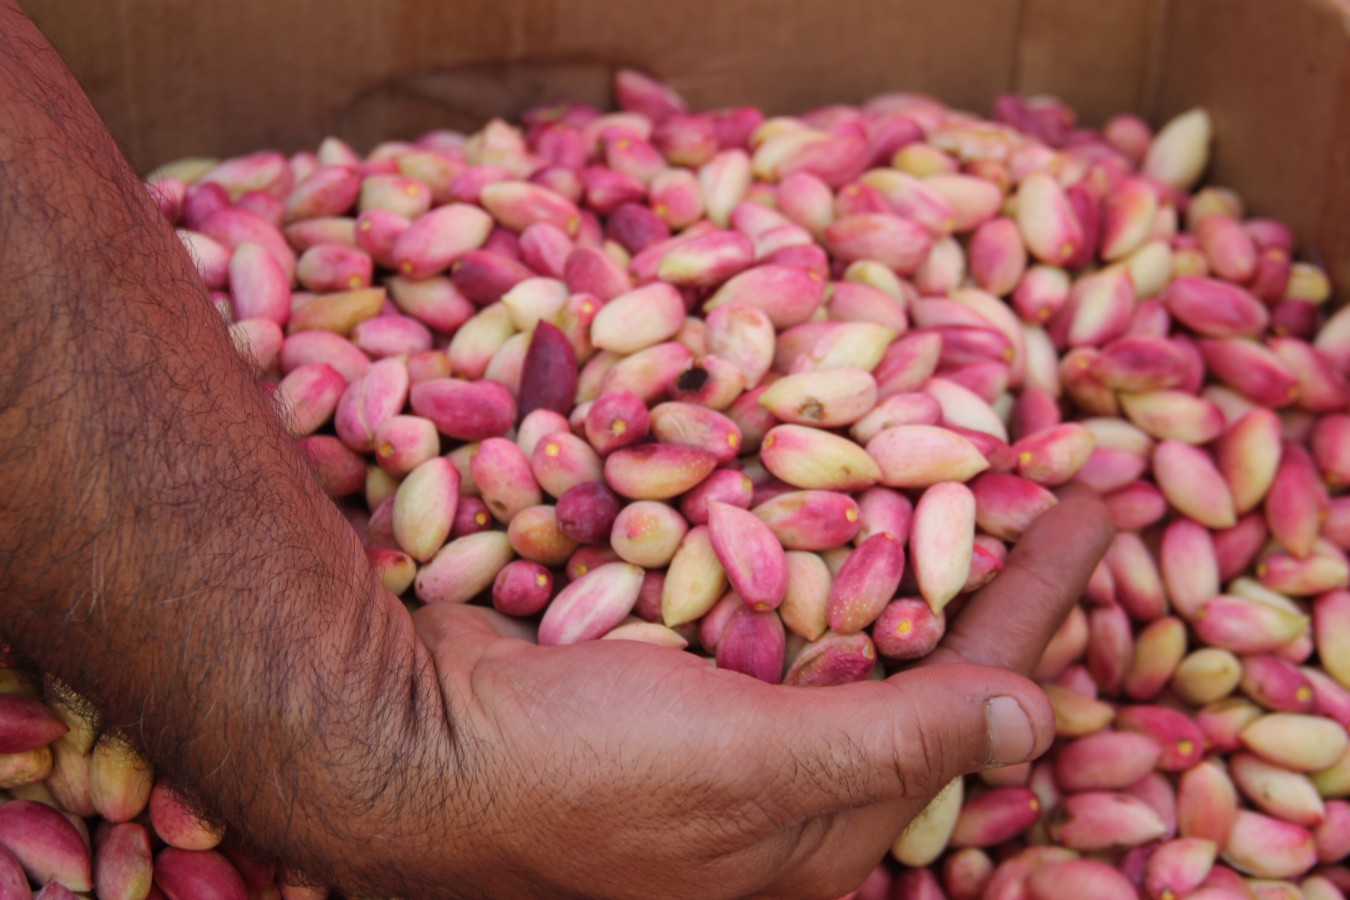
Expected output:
{"points": [[214, 77]]}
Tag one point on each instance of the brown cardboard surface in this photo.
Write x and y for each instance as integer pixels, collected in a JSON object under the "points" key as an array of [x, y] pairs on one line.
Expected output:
{"points": [[1097, 56], [1276, 78], [215, 77], [222, 76]]}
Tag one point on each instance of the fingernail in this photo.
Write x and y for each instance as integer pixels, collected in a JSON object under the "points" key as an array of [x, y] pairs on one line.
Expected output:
{"points": [[1011, 738]]}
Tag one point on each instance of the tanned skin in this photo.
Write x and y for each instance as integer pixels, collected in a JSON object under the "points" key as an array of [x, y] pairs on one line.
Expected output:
{"points": [[166, 552]]}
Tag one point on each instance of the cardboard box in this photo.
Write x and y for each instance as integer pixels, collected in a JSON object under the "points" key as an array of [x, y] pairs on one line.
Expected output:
{"points": [[215, 77]]}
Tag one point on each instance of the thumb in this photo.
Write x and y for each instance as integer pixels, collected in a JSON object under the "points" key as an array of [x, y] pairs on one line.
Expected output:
{"points": [[904, 738], [1005, 719]]}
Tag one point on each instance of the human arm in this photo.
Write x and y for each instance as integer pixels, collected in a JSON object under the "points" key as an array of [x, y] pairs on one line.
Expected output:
{"points": [[165, 550]]}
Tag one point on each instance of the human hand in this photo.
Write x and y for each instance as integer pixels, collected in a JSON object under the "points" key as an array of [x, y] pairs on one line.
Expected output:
{"points": [[619, 769]]}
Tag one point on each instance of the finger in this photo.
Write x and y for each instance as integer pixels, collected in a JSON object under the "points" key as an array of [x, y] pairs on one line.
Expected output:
{"points": [[1008, 623], [829, 856], [858, 745], [438, 623], [458, 635], [507, 626]]}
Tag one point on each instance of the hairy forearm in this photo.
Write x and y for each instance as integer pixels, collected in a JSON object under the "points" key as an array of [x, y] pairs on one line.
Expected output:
{"points": [[163, 547]]}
